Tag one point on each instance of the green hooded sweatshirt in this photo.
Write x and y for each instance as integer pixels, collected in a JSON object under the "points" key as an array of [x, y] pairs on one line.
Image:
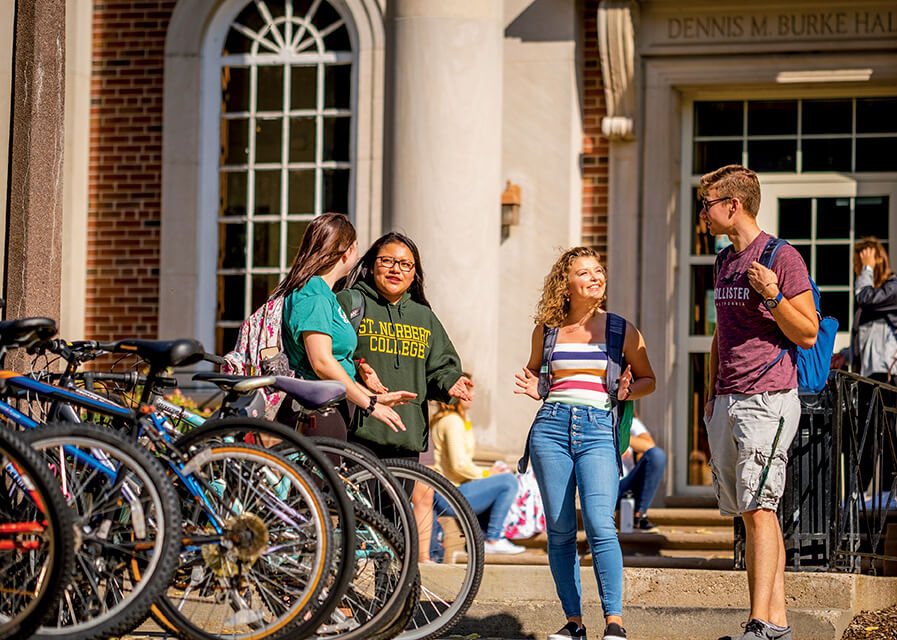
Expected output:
{"points": [[410, 351]]}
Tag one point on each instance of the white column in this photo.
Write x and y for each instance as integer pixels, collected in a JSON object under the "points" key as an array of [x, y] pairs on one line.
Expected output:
{"points": [[443, 177]]}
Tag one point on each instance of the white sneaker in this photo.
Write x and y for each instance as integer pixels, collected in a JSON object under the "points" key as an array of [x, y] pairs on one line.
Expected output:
{"points": [[502, 545]]}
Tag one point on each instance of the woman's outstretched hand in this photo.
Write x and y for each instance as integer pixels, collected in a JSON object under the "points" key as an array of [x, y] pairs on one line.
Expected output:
{"points": [[370, 378], [394, 398], [385, 414], [625, 380], [527, 384], [461, 389]]}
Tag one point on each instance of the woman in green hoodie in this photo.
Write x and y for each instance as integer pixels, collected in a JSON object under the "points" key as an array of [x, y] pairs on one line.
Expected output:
{"points": [[402, 340]]}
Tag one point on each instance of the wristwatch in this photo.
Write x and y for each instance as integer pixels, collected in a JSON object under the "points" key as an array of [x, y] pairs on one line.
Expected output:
{"points": [[772, 303]]}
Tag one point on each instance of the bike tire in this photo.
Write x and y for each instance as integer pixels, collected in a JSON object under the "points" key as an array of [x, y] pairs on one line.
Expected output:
{"points": [[443, 601], [141, 529], [279, 550], [34, 578], [290, 441]]}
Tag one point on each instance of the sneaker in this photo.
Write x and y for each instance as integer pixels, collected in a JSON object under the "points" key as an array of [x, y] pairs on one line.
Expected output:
{"points": [[613, 631], [772, 633], [502, 545], [643, 524], [753, 630], [569, 630]]}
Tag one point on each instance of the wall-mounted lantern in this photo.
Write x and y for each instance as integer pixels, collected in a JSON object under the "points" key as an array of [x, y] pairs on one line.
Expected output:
{"points": [[510, 208]]}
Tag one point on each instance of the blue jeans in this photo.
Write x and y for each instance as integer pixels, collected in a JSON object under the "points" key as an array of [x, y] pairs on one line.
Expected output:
{"points": [[572, 447], [644, 478], [494, 494]]}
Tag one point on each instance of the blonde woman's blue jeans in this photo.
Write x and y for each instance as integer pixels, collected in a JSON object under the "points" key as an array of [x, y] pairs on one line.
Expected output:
{"points": [[573, 446]]}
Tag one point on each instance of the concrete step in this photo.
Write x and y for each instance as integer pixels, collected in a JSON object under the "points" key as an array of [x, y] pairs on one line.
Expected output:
{"points": [[692, 517], [680, 537], [517, 601]]}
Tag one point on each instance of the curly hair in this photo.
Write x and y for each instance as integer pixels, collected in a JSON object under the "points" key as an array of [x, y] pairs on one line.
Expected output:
{"points": [[554, 304]]}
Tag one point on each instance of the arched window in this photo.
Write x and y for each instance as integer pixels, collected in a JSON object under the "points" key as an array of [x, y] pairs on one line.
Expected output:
{"points": [[286, 123]]}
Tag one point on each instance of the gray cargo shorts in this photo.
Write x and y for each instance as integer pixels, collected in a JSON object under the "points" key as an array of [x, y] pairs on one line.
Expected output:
{"points": [[741, 433]]}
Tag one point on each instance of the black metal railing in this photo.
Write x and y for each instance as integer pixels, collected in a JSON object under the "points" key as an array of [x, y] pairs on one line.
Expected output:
{"points": [[841, 487]]}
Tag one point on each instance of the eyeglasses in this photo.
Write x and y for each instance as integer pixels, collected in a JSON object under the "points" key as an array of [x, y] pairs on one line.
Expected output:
{"points": [[706, 204], [388, 261]]}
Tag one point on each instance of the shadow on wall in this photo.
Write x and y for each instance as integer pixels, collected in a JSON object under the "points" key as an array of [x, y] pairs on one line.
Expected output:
{"points": [[500, 625]]}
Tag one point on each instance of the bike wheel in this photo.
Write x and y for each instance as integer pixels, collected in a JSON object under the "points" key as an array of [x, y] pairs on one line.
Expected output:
{"points": [[260, 570], [447, 589], [37, 539], [126, 515], [289, 442], [382, 509]]}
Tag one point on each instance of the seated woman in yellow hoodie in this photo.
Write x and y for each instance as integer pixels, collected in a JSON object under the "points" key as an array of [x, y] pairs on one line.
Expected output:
{"points": [[492, 490]]}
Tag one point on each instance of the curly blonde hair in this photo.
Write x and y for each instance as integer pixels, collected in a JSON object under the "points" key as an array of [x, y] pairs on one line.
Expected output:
{"points": [[554, 305]]}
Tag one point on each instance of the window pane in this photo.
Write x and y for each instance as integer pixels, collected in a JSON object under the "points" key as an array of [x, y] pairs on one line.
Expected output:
{"points": [[876, 115], [772, 155], [703, 316], [713, 155], [337, 79], [234, 141], [719, 118], [778, 117], [270, 89], [302, 192], [295, 231], [235, 83], [268, 134], [267, 193], [827, 116], [233, 193], [230, 298], [804, 251], [336, 139], [698, 447], [303, 87], [266, 244], [795, 218], [826, 155], [226, 339], [263, 285], [250, 17], [232, 246], [336, 191], [871, 217], [833, 264], [837, 304], [302, 139], [833, 218], [338, 40], [236, 43], [877, 154]]}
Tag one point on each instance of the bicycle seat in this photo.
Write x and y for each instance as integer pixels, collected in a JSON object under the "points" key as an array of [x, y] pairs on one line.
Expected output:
{"points": [[163, 353], [311, 394], [26, 332], [240, 384]]}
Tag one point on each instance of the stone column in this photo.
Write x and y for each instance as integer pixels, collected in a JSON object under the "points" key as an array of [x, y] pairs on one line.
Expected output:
{"points": [[443, 178], [34, 250]]}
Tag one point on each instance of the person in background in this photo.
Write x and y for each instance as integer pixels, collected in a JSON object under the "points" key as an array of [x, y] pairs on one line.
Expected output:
{"points": [[873, 346], [642, 476], [573, 440], [491, 490], [317, 337]]}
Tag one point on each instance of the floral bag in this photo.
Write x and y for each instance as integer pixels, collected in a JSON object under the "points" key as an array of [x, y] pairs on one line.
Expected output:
{"points": [[526, 516]]}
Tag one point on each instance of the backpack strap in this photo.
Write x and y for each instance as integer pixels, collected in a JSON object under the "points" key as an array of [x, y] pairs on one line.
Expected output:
{"points": [[549, 340], [768, 255], [356, 312], [717, 264], [614, 336]]}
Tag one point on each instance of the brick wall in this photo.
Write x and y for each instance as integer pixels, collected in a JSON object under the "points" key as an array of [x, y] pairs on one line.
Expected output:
{"points": [[125, 168], [594, 145]]}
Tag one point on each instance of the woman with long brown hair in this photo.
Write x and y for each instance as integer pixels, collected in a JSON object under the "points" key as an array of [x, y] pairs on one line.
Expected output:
{"points": [[317, 336]]}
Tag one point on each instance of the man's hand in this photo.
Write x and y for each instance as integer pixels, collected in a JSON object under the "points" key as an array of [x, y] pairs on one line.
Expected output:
{"points": [[763, 280], [370, 378], [708, 408]]}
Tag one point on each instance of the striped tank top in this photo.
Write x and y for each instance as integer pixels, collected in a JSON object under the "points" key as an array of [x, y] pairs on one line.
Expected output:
{"points": [[578, 375]]}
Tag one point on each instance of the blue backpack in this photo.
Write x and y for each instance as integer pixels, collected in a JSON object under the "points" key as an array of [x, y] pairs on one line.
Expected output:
{"points": [[813, 364]]}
